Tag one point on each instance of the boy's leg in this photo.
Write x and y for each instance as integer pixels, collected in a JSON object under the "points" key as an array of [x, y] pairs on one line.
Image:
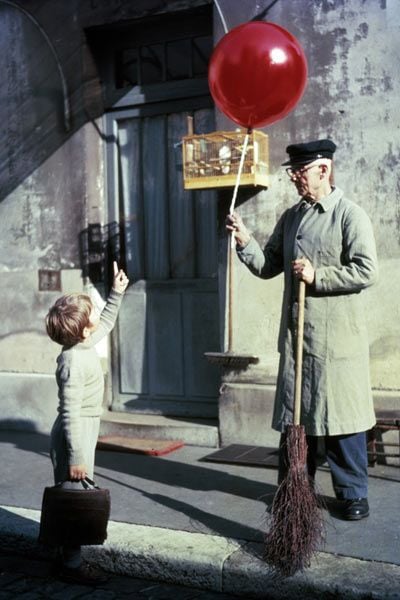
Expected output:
{"points": [[71, 567], [72, 556], [90, 427], [58, 452]]}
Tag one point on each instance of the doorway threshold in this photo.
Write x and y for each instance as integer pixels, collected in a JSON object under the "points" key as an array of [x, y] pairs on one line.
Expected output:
{"points": [[193, 432]]}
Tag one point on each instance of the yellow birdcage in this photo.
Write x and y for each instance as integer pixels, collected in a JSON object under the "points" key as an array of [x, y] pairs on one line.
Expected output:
{"points": [[212, 160]]}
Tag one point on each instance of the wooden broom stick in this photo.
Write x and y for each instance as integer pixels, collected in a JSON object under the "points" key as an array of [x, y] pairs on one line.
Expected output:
{"points": [[299, 354], [296, 523]]}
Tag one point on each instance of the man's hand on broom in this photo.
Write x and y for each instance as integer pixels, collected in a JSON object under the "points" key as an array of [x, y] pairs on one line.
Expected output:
{"points": [[303, 270], [235, 225]]}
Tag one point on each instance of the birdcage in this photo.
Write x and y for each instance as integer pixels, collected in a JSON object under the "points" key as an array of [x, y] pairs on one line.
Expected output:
{"points": [[212, 160]]}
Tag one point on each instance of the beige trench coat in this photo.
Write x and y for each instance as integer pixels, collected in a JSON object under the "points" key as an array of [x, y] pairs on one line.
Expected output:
{"points": [[336, 235]]}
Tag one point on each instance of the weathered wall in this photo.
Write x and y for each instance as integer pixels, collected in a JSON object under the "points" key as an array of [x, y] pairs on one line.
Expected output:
{"points": [[352, 97], [52, 180], [51, 186]]}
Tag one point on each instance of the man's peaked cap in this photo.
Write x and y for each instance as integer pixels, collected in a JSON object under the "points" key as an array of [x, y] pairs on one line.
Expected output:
{"points": [[302, 154]]}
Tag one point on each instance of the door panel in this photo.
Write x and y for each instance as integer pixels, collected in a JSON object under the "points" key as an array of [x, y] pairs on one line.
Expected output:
{"points": [[162, 332], [154, 177], [200, 314], [164, 325], [129, 135], [204, 202], [132, 348], [181, 207]]}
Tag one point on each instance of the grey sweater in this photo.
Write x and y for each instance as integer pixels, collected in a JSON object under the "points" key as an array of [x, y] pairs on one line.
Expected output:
{"points": [[80, 380]]}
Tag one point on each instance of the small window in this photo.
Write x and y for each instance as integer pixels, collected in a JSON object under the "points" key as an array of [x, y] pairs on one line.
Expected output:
{"points": [[152, 63], [178, 60], [173, 60], [202, 48], [127, 68]]}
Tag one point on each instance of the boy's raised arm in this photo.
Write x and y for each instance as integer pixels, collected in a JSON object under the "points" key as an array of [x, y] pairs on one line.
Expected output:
{"points": [[121, 281], [110, 311]]}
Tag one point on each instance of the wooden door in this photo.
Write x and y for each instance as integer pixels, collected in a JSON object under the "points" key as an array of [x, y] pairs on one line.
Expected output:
{"points": [[169, 316]]}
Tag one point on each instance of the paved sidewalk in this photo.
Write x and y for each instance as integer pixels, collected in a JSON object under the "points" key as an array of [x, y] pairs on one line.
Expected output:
{"points": [[186, 521]]}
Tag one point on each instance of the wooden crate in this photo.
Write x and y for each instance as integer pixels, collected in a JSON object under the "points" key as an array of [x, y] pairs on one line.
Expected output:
{"points": [[212, 160]]}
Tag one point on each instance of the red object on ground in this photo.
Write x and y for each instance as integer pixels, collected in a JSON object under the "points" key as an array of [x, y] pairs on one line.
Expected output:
{"points": [[257, 73], [119, 443]]}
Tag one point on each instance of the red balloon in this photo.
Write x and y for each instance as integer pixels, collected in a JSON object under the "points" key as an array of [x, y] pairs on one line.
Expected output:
{"points": [[257, 73]]}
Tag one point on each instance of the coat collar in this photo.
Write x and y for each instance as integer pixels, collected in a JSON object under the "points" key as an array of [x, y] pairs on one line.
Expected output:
{"points": [[325, 203]]}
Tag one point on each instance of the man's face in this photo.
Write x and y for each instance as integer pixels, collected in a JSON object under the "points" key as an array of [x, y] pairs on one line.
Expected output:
{"points": [[307, 179]]}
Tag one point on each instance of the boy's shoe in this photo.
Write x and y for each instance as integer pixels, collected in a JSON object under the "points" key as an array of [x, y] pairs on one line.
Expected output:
{"points": [[85, 574]]}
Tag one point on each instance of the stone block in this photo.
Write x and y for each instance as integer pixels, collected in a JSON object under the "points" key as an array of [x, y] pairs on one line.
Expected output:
{"points": [[245, 414], [28, 401]]}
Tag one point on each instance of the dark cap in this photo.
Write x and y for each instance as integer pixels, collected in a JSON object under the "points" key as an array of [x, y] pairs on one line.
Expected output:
{"points": [[302, 154]]}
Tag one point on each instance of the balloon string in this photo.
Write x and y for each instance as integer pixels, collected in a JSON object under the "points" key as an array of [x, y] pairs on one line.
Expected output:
{"points": [[235, 191]]}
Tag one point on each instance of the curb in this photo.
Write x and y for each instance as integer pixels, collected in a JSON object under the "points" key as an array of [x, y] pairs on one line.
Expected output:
{"points": [[211, 562]]}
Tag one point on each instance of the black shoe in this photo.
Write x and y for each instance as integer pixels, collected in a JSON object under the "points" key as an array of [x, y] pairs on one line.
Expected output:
{"points": [[355, 509], [85, 574]]}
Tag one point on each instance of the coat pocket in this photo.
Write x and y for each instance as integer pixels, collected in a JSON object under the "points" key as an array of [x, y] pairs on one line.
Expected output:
{"points": [[334, 327], [346, 328], [315, 339]]}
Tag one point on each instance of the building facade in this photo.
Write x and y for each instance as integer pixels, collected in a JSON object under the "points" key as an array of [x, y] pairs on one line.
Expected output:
{"points": [[95, 101]]}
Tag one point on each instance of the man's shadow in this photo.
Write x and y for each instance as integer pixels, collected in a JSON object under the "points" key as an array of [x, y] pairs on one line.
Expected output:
{"points": [[193, 477], [170, 473]]}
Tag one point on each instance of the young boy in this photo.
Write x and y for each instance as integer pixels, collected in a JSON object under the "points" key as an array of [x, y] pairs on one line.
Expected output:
{"points": [[74, 323]]}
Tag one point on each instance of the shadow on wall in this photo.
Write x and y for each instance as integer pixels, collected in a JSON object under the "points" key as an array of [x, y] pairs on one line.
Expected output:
{"points": [[99, 246], [23, 434], [35, 117], [18, 425], [51, 87]]}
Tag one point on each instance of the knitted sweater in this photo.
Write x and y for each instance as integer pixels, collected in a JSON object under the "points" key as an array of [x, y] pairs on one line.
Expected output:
{"points": [[80, 380]]}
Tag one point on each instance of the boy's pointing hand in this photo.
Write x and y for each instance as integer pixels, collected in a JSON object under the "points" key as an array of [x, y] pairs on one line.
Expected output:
{"points": [[121, 281]]}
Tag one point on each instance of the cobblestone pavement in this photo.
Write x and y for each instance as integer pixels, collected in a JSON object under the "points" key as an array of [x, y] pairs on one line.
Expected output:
{"points": [[25, 578]]}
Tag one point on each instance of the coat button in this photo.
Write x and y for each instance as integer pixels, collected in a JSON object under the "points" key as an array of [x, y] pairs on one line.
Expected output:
{"points": [[299, 237]]}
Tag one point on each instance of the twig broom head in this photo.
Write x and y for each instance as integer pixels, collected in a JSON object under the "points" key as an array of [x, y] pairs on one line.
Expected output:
{"points": [[296, 527]]}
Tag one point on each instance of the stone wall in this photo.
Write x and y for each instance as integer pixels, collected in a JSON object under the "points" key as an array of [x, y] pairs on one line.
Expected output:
{"points": [[352, 97], [52, 180]]}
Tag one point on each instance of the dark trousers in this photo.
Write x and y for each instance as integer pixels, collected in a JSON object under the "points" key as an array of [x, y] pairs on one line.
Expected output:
{"points": [[347, 459]]}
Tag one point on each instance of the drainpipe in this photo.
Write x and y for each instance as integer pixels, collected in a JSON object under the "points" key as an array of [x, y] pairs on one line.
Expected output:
{"points": [[221, 16]]}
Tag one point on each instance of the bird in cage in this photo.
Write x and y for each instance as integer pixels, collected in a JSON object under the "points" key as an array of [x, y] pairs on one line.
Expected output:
{"points": [[225, 154]]}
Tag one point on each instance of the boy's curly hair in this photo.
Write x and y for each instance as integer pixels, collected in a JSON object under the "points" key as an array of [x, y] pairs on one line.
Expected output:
{"points": [[67, 319]]}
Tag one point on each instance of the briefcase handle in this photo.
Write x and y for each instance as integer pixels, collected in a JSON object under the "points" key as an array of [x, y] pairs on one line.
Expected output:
{"points": [[89, 484], [85, 484]]}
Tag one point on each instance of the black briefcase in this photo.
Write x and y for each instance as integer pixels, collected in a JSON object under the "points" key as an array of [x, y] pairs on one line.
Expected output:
{"points": [[74, 514]]}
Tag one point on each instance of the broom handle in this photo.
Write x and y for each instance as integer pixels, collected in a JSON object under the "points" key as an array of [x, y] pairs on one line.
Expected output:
{"points": [[299, 354]]}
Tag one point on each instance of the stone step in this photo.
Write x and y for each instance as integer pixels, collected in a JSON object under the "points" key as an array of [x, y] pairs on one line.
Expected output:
{"points": [[194, 432]]}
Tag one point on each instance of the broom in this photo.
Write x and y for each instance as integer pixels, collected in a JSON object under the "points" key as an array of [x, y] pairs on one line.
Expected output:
{"points": [[296, 526]]}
